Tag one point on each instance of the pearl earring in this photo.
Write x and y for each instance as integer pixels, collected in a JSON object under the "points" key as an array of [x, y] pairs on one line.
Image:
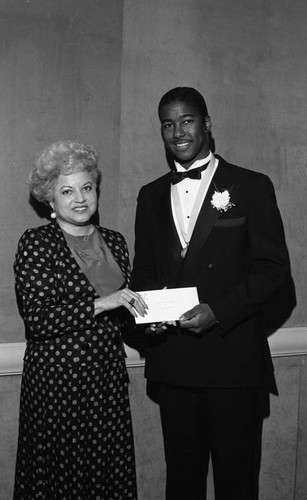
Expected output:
{"points": [[53, 215]]}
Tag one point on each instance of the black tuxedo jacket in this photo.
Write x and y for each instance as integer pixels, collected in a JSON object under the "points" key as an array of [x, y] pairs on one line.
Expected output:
{"points": [[236, 259]]}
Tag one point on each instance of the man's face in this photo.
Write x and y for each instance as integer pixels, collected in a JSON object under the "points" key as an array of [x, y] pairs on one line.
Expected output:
{"points": [[185, 132]]}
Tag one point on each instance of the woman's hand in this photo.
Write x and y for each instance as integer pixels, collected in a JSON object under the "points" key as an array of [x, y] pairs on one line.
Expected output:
{"points": [[159, 328], [122, 298]]}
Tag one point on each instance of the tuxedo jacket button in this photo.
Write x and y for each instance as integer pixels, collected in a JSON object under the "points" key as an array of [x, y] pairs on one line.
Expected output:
{"points": [[211, 266]]}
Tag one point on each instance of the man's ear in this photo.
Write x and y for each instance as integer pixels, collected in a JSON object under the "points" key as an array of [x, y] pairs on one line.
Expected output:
{"points": [[208, 124]]}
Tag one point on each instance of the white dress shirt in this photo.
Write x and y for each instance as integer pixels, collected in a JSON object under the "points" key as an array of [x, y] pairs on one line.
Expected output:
{"points": [[187, 197]]}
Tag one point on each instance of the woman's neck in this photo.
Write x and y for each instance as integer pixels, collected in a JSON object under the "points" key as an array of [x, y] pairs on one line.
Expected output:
{"points": [[75, 230]]}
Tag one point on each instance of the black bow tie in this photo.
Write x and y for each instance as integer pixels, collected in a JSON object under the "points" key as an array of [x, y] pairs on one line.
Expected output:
{"points": [[194, 173]]}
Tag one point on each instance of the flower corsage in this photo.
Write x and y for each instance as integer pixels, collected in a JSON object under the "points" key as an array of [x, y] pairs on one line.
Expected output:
{"points": [[221, 201]]}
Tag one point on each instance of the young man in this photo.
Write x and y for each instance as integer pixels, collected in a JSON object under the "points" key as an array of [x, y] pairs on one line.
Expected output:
{"points": [[221, 231]]}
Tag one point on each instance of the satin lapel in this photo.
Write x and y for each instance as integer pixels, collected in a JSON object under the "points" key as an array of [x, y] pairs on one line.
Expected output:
{"points": [[208, 215], [167, 229]]}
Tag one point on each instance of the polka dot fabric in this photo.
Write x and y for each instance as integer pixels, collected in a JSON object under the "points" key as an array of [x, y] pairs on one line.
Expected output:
{"points": [[75, 433]]}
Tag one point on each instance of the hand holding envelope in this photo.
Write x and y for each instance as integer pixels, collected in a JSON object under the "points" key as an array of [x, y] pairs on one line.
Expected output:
{"points": [[167, 304], [198, 319]]}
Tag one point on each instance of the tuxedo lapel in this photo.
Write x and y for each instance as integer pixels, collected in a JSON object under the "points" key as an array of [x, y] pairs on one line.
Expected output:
{"points": [[167, 228], [208, 215]]}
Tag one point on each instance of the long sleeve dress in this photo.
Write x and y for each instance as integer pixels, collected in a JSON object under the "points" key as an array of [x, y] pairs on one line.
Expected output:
{"points": [[75, 433]]}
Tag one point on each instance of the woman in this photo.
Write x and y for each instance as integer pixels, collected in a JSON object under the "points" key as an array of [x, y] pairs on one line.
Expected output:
{"points": [[72, 277]]}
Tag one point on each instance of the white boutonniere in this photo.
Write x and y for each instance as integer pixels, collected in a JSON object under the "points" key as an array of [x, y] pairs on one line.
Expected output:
{"points": [[221, 200]]}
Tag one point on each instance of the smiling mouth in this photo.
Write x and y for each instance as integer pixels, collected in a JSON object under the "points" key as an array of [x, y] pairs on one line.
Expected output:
{"points": [[79, 209], [181, 144]]}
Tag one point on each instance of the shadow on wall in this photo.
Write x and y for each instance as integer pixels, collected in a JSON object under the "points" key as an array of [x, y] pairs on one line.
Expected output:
{"points": [[42, 209]]}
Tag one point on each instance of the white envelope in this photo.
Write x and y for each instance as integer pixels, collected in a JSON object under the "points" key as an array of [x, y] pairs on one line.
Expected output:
{"points": [[167, 304]]}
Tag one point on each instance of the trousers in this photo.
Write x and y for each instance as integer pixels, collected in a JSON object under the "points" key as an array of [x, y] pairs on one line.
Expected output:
{"points": [[201, 423]]}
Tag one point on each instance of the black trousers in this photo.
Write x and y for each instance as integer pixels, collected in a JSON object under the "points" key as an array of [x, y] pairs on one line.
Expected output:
{"points": [[199, 423]]}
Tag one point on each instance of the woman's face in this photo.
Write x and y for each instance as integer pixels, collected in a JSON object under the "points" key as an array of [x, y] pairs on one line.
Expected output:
{"points": [[75, 199]]}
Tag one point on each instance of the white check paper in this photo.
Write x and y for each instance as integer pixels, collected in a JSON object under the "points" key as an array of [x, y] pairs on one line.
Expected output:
{"points": [[167, 304]]}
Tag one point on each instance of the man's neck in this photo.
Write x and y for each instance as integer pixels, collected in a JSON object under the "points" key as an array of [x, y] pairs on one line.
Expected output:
{"points": [[197, 163]]}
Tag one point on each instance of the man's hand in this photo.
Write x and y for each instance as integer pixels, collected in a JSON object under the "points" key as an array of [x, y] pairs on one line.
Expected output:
{"points": [[153, 328], [199, 319]]}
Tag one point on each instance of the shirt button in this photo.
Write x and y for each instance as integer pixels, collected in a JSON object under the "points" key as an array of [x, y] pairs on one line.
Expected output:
{"points": [[211, 266]]}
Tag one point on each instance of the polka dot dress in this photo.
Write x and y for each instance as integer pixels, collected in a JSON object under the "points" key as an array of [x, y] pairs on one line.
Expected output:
{"points": [[75, 432]]}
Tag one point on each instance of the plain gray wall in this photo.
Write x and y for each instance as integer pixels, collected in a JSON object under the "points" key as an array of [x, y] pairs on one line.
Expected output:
{"points": [[95, 71], [60, 73]]}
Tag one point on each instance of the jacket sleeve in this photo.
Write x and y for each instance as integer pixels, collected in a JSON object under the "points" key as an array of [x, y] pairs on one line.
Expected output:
{"points": [[267, 260], [48, 311]]}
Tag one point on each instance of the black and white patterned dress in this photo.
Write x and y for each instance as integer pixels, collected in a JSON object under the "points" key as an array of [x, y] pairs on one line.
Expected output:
{"points": [[75, 434]]}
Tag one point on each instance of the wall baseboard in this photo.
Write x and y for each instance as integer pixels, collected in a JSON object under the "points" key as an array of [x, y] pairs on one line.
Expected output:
{"points": [[283, 342]]}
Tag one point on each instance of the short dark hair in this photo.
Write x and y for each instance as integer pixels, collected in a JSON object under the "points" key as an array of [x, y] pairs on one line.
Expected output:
{"points": [[186, 94], [191, 96]]}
